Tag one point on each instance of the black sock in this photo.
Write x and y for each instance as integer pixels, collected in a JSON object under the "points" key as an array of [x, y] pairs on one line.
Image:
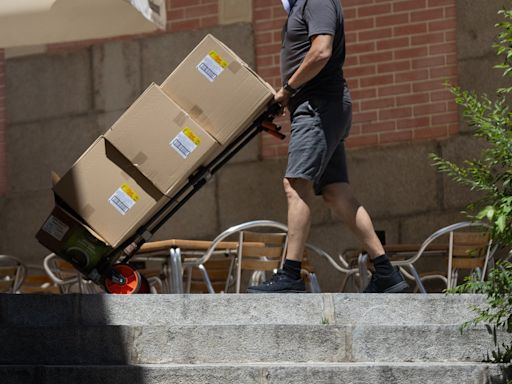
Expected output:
{"points": [[292, 268], [382, 265]]}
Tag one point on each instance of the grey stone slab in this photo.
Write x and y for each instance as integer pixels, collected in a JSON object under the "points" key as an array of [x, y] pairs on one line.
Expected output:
{"points": [[475, 27], [404, 309], [458, 150], [364, 373], [44, 86], [172, 344], [479, 75], [201, 309], [107, 119], [35, 150], [117, 74], [37, 310], [162, 54], [420, 343], [66, 345], [21, 218], [264, 373], [395, 180], [240, 344], [20, 374]]}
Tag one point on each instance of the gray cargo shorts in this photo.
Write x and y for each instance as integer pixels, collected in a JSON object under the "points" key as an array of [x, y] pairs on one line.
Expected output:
{"points": [[316, 151]]}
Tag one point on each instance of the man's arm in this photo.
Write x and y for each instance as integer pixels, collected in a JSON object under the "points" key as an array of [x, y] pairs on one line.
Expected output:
{"points": [[316, 58]]}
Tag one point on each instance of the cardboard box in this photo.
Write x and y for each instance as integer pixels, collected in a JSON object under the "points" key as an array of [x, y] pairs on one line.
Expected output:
{"points": [[218, 90], [109, 193], [72, 240], [161, 140]]}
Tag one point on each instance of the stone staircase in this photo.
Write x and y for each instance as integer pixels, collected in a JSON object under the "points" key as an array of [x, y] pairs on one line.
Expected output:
{"points": [[296, 338]]}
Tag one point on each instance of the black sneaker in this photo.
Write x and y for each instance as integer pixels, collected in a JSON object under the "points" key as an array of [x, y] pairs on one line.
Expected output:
{"points": [[392, 283], [280, 282]]}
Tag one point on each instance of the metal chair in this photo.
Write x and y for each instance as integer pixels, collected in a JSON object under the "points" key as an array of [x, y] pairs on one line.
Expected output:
{"points": [[67, 278], [12, 274], [310, 249], [469, 247]]}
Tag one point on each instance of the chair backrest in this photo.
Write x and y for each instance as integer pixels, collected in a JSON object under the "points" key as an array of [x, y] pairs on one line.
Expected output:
{"points": [[67, 278], [260, 251], [12, 274], [218, 267], [468, 250]]}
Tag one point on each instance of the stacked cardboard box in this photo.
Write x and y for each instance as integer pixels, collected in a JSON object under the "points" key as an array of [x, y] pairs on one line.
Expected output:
{"points": [[133, 170]]}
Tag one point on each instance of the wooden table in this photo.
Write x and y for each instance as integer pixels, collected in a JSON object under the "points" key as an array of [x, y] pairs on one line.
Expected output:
{"points": [[175, 252]]}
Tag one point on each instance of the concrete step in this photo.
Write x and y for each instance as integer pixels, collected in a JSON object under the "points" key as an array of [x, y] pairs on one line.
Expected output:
{"points": [[197, 344], [266, 373], [243, 309]]}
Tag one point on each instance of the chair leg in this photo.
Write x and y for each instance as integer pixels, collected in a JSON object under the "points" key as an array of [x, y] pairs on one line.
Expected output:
{"points": [[417, 277], [206, 278], [313, 282]]}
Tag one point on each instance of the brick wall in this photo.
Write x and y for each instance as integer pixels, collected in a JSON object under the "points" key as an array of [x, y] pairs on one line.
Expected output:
{"points": [[3, 126], [183, 15], [399, 54]]}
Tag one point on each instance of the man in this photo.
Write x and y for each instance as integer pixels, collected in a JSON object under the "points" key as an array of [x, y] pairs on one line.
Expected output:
{"points": [[316, 95]]}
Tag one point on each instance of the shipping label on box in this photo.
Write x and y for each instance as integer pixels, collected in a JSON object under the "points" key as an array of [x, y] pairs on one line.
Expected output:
{"points": [[72, 240], [109, 193], [163, 142], [218, 90]]}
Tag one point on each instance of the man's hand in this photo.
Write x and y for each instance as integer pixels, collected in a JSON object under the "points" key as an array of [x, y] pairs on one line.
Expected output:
{"points": [[282, 97]]}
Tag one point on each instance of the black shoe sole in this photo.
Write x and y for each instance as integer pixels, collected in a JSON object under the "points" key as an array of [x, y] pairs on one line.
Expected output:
{"points": [[397, 288]]}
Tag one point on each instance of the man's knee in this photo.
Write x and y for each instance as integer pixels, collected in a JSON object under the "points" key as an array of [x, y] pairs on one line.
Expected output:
{"points": [[295, 187]]}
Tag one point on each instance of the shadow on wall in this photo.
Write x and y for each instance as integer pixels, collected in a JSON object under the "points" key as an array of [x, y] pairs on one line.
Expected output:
{"points": [[62, 339]]}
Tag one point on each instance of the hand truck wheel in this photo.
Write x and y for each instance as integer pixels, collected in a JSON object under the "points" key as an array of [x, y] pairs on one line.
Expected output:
{"points": [[133, 280]]}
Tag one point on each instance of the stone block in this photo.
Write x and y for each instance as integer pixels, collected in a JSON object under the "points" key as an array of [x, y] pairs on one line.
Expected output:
{"points": [[21, 218], [162, 54], [404, 309], [416, 229], [475, 27], [235, 11], [139, 310], [107, 119], [256, 373], [240, 344], [395, 180], [459, 149], [420, 343], [479, 75], [36, 149], [197, 219], [116, 68], [32, 310], [45, 86]]}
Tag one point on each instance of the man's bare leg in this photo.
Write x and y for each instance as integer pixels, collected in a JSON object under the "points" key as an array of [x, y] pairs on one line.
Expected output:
{"points": [[298, 195], [341, 200]]}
